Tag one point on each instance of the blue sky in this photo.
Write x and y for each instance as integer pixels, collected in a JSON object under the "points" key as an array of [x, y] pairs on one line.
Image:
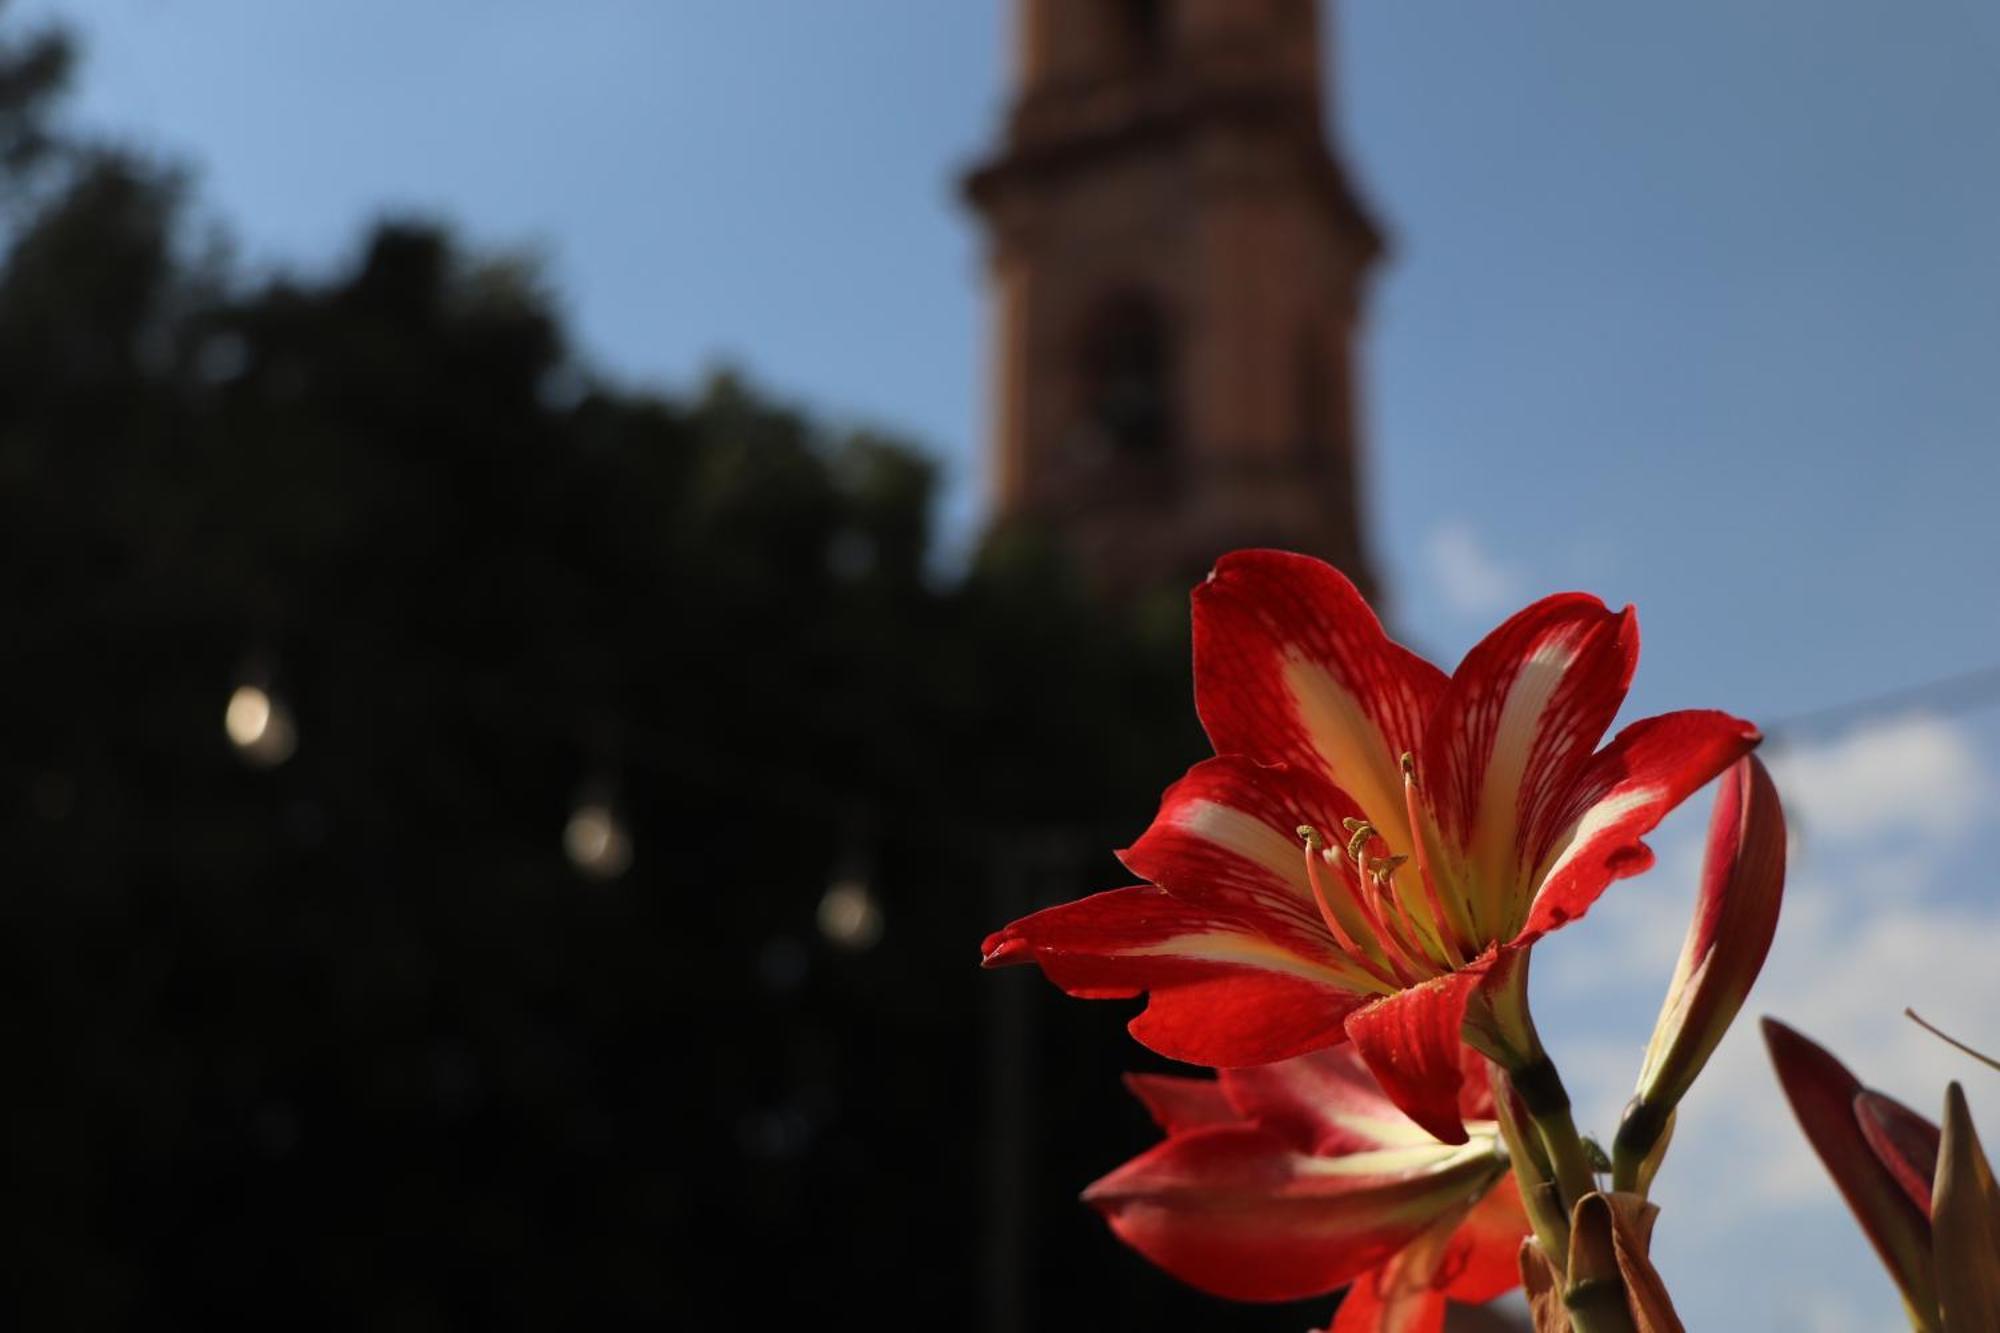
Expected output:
{"points": [[1694, 306]]}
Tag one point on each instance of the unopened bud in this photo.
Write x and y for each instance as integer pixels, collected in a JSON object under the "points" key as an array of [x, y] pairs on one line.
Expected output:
{"points": [[1735, 916]]}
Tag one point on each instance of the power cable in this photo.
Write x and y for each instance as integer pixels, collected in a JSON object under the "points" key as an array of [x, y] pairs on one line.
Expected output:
{"points": [[1963, 692]]}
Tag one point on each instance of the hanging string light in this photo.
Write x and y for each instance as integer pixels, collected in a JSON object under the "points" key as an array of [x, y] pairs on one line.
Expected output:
{"points": [[595, 838], [849, 916], [259, 724]]}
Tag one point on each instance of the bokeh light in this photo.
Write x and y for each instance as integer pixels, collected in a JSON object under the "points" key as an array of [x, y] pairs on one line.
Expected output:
{"points": [[596, 841], [260, 726], [849, 917]]}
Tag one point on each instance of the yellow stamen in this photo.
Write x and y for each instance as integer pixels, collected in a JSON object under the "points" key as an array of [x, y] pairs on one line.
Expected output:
{"points": [[1354, 938], [1406, 940]]}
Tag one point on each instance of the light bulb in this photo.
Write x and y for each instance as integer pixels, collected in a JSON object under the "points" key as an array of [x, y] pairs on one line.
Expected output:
{"points": [[260, 727], [596, 841], [849, 917]]}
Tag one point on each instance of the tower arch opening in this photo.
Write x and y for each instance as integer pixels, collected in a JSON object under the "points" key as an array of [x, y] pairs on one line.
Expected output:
{"points": [[1141, 29], [1178, 265], [1126, 401]]}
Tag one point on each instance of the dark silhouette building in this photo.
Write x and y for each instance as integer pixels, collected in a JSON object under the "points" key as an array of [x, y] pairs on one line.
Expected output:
{"points": [[1178, 266]]}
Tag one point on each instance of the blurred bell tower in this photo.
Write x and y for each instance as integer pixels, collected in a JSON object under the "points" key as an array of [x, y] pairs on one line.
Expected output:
{"points": [[1177, 268]]}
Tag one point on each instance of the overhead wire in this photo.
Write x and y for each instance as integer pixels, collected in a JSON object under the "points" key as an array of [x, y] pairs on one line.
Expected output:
{"points": [[1961, 692]]}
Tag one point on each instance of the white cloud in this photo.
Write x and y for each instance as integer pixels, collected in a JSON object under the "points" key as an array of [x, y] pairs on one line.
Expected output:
{"points": [[1472, 580], [1915, 773]]}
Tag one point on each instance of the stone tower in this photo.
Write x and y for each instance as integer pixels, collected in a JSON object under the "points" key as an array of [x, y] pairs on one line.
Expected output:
{"points": [[1177, 271]]}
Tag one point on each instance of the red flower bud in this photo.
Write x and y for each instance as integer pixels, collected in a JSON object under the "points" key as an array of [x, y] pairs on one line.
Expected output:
{"points": [[1742, 881]]}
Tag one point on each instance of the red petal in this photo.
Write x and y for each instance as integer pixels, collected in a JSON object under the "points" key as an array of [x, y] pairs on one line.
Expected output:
{"points": [[1386, 1302], [1651, 767], [1291, 666], [1411, 1043], [1485, 1256], [1515, 728], [1470, 1256], [1475, 1096], [1904, 1143], [1222, 992], [1227, 837], [1822, 1093], [1242, 1017], [1325, 1103], [1745, 853], [1236, 1212], [1178, 1105]]}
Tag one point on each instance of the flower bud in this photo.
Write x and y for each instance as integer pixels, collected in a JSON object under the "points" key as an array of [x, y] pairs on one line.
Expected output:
{"points": [[1965, 1223], [1742, 881]]}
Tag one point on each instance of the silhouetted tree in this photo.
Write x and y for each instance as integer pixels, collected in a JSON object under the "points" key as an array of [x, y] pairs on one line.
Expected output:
{"points": [[347, 1041]]}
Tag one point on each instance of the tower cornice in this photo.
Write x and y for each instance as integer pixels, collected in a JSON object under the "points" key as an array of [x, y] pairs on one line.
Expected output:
{"points": [[1178, 262]]}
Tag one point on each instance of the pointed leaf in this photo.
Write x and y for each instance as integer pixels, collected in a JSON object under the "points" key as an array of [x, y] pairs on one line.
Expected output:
{"points": [[1965, 1216], [1904, 1143], [1822, 1093]]}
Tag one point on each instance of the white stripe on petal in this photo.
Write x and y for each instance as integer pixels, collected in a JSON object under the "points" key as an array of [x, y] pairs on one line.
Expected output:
{"points": [[1421, 1158], [1230, 946], [1354, 750], [1248, 837], [1596, 820], [1496, 830]]}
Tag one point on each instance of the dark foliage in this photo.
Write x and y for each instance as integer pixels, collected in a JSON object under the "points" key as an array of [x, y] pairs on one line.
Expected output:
{"points": [[347, 1042]]}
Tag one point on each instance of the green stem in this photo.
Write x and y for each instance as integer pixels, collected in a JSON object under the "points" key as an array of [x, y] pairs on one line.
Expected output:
{"points": [[1593, 1290], [1540, 1197], [1547, 1101], [1638, 1134]]}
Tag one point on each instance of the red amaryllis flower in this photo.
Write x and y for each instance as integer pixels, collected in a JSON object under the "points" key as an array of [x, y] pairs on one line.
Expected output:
{"points": [[1292, 1179], [1374, 837]]}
